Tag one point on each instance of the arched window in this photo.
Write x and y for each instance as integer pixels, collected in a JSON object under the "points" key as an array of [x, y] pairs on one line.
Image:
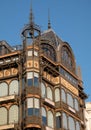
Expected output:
{"points": [[48, 51], [70, 100], [71, 124], [76, 105], [63, 95], [3, 116], [43, 90], [65, 121], [66, 58], [57, 95], [3, 89], [77, 125], [50, 119], [44, 118], [58, 120], [49, 93], [13, 114], [14, 87]]}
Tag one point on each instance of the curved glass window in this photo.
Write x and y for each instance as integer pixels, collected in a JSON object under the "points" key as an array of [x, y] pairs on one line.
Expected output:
{"points": [[43, 90], [50, 119], [3, 116], [67, 58], [14, 87], [49, 51], [63, 95], [58, 120], [77, 125], [65, 121], [3, 89], [70, 100], [57, 95], [49, 93], [71, 123], [13, 114], [76, 105], [44, 119]]}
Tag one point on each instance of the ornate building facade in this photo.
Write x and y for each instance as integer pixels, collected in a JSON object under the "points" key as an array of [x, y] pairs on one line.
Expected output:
{"points": [[40, 87]]}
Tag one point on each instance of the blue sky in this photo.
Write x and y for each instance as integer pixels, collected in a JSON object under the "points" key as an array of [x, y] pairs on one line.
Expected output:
{"points": [[70, 19]]}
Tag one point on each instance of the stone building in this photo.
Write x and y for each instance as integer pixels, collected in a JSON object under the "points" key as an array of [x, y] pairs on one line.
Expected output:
{"points": [[40, 85]]}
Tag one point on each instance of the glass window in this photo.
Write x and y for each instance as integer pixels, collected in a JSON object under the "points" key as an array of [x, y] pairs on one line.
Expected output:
{"points": [[43, 90], [30, 53], [65, 121], [77, 125], [35, 53], [36, 106], [76, 105], [14, 87], [58, 120], [67, 58], [13, 114], [71, 124], [30, 79], [50, 119], [3, 89], [3, 116], [70, 100], [49, 51], [57, 95], [44, 119], [63, 94], [49, 93], [36, 79], [33, 106]]}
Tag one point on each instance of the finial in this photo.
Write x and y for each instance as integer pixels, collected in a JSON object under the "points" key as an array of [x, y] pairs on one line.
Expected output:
{"points": [[49, 24], [31, 15]]}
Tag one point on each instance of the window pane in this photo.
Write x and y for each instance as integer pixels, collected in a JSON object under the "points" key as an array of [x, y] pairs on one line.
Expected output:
{"points": [[3, 116], [13, 114], [70, 100], [14, 87], [29, 75], [64, 121], [49, 93], [63, 96], [76, 104], [77, 125], [30, 53], [30, 82], [57, 95], [43, 90], [36, 82], [36, 102], [3, 89], [58, 120], [29, 102], [35, 53], [71, 123], [30, 111], [50, 119], [44, 119]]}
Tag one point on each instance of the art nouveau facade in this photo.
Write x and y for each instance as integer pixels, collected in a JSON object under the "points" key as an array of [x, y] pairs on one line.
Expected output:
{"points": [[40, 88]]}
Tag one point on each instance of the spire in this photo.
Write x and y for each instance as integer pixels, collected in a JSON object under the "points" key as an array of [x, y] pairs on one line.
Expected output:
{"points": [[49, 24], [31, 15]]}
